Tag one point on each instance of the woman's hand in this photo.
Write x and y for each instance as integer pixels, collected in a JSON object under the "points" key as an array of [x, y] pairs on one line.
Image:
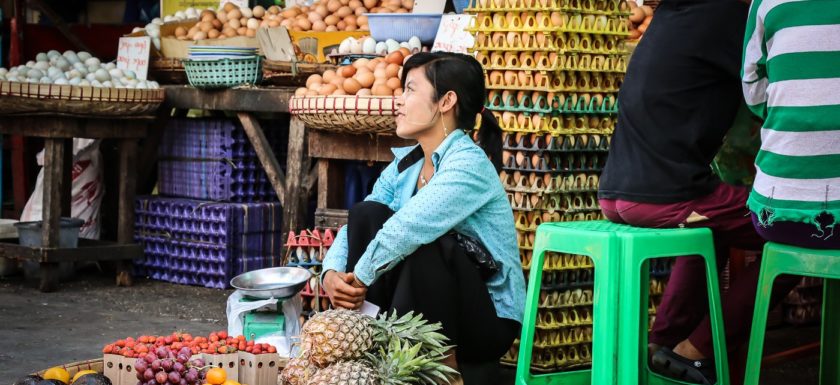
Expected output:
{"points": [[343, 290]]}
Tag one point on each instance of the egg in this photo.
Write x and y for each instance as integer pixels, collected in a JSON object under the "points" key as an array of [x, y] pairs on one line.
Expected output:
{"points": [[180, 31], [344, 47], [395, 58], [364, 92], [355, 47], [214, 34], [234, 14], [327, 89], [392, 71], [351, 86], [304, 24], [253, 23], [392, 45], [319, 26], [393, 83], [369, 46], [250, 33], [347, 71], [414, 44], [382, 90], [328, 76], [365, 78]]}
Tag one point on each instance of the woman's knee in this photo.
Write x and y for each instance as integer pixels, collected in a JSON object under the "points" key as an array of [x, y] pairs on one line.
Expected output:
{"points": [[367, 213]]}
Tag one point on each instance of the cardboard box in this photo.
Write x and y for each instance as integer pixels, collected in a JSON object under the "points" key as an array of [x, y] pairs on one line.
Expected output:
{"points": [[180, 49], [112, 367], [228, 362], [320, 44], [259, 369], [128, 376]]}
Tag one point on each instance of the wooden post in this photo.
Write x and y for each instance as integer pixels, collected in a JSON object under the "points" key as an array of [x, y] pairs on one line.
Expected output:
{"points": [[54, 191], [128, 186], [330, 186], [294, 209], [265, 154]]}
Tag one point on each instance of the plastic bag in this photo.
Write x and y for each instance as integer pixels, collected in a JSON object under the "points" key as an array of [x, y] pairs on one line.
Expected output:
{"points": [[282, 340]]}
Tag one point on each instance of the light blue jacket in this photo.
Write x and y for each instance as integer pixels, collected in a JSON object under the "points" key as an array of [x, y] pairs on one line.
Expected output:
{"points": [[465, 194]]}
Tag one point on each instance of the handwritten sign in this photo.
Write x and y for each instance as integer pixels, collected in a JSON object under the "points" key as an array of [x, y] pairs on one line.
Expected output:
{"points": [[451, 35], [238, 3], [133, 54]]}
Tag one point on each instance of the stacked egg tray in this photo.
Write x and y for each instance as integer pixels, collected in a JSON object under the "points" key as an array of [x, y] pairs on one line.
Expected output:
{"points": [[206, 244], [803, 305], [212, 159], [563, 336], [307, 249], [552, 66]]}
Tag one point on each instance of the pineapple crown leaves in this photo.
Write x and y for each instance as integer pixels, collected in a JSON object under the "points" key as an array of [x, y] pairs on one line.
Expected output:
{"points": [[410, 328], [400, 363]]}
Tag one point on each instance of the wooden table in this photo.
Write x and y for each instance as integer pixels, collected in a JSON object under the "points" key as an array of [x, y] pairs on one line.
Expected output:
{"points": [[328, 148], [292, 186], [58, 132]]}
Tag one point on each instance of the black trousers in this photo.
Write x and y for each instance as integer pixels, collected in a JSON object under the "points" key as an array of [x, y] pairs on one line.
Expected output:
{"points": [[439, 281]]}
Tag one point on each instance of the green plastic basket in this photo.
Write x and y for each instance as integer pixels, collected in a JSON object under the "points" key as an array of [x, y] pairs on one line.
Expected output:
{"points": [[223, 73]]}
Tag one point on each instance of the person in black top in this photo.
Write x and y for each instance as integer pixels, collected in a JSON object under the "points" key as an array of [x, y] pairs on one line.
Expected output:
{"points": [[679, 98]]}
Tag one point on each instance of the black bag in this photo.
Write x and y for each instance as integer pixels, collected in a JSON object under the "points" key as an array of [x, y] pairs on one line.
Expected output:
{"points": [[480, 257]]}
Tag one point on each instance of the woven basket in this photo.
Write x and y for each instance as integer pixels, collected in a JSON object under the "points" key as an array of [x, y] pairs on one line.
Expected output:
{"points": [[223, 73], [21, 98], [347, 114], [75, 367]]}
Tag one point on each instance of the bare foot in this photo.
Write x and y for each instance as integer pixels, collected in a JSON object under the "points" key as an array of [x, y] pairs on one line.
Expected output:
{"points": [[687, 350]]}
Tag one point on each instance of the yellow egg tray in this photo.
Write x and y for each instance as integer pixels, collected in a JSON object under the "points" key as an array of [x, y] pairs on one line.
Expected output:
{"points": [[563, 203], [534, 183], [550, 103], [570, 336], [555, 125], [546, 143], [547, 360], [563, 318], [595, 7], [557, 299], [561, 262], [555, 22], [558, 42], [553, 62]]}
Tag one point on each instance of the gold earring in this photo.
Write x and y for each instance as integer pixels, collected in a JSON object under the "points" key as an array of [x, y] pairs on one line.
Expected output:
{"points": [[445, 133]]}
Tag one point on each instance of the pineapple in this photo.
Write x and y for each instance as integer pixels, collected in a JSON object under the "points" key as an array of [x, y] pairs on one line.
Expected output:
{"points": [[343, 335], [396, 364], [298, 371]]}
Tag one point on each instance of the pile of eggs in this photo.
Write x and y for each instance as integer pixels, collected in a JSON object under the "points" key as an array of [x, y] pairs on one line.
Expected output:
{"points": [[376, 77], [153, 29], [367, 45], [71, 68], [339, 15], [639, 20]]}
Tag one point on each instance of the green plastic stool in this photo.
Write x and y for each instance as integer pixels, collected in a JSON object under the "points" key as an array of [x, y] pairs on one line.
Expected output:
{"points": [[783, 259], [620, 254]]}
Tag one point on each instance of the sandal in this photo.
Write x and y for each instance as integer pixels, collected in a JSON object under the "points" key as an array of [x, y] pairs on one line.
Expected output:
{"points": [[672, 365]]}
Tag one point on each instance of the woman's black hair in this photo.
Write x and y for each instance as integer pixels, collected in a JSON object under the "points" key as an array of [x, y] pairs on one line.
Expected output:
{"points": [[464, 76]]}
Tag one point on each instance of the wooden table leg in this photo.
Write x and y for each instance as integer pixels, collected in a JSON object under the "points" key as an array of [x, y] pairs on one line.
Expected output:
{"points": [[294, 209], [330, 185], [53, 196], [125, 224], [265, 154]]}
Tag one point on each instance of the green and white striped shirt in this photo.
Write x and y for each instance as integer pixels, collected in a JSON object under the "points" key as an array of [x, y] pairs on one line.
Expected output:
{"points": [[791, 79]]}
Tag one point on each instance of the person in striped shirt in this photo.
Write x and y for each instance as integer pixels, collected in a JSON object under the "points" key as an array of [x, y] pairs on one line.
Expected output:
{"points": [[791, 76]]}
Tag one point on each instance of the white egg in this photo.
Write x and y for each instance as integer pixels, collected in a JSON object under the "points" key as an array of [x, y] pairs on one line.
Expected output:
{"points": [[41, 57], [136, 29], [2, 77], [42, 65], [191, 12], [91, 61], [53, 54], [154, 84], [58, 76], [168, 19], [246, 12], [95, 83], [356, 47], [129, 74], [102, 75], [12, 78], [130, 86], [393, 45], [72, 58], [30, 64], [75, 81], [180, 15], [108, 84], [90, 77], [84, 82], [61, 81], [156, 42], [344, 47], [115, 73], [52, 71], [141, 86], [3, 71], [33, 81], [369, 46], [74, 73], [62, 64], [157, 21], [84, 56], [45, 80], [404, 45], [381, 48], [35, 74], [414, 44], [22, 69]]}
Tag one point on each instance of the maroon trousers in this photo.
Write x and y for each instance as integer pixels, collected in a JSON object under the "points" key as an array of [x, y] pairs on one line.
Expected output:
{"points": [[683, 313]]}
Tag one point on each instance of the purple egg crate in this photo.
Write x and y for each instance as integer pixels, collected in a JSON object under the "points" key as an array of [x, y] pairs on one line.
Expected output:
{"points": [[212, 159], [206, 243]]}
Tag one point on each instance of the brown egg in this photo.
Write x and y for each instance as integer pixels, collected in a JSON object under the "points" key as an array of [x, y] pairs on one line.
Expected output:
{"points": [[344, 12], [395, 57], [344, 2], [366, 78], [405, 52], [338, 81], [347, 71], [393, 83], [407, 4], [205, 26], [333, 5], [313, 17], [314, 79], [258, 11], [301, 91], [362, 20], [351, 86], [250, 32], [331, 20], [328, 76], [331, 28], [369, 4], [234, 23], [327, 89], [207, 15], [229, 32], [234, 14], [350, 20], [216, 24], [319, 26], [287, 23], [213, 34], [222, 17], [242, 31], [305, 9], [382, 90], [353, 4], [374, 64], [290, 13], [510, 78], [379, 74], [364, 92], [243, 21], [392, 70], [274, 10], [341, 25], [200, 35], [311, 93], [304, 24], [359, 12], [642, 28], [229, 7], [361, 63], [180, 31]]}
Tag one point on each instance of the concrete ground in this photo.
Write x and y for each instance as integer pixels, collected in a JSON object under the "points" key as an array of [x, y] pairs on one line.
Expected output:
{"points": [[41, 330]]}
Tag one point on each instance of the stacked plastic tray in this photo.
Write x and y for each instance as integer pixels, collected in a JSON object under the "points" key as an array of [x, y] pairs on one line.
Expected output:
{"points": [[307, 249], [202, 243], [212, 159], [803, 305]]}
